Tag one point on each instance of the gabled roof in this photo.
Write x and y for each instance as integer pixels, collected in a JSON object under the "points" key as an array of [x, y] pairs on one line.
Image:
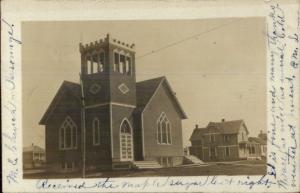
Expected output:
{"points": [[197, 134], [224, 127], [257, 140], [145, 90], [228, 127], [263, 136], [66, 85], [33, 148]]}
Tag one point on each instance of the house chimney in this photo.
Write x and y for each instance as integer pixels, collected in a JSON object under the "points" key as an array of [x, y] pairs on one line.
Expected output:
{"points": [[31, 144], [196, 126], [223, 120]]}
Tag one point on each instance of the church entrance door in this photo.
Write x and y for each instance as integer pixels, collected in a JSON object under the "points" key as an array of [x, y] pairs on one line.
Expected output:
{"points": [[126, 149]]}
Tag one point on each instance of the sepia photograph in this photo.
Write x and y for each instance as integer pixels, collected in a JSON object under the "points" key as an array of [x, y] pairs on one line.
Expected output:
{"points": [[144, 98]]}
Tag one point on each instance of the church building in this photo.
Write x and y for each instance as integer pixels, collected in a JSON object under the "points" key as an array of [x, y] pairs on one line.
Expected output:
{"points": [[110, 121]]}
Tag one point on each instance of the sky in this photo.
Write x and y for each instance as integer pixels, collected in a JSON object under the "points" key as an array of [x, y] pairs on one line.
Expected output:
{"points": [[217, 67]]}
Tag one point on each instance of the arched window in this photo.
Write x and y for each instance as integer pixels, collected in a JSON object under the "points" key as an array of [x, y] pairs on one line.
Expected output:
{"points": [[125, 127], [96, 131], [126, 152], [164, 130], [68, 134]]}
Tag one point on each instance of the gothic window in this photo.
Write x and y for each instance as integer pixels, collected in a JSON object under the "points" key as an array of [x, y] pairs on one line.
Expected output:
{"points": [[125, 128], [96, 131], [163, 130], [68, 134]]}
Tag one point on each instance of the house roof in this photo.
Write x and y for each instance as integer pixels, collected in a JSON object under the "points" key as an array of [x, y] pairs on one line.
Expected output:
{"points": [[33, 148], [197, 134], [224, 127], [257, 140], [228, 127], [263, 136], [66, 85], [145, 90]]}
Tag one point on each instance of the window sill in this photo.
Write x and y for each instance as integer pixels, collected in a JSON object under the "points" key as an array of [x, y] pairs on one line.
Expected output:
{"points": [[65, 149], [164, 143]]}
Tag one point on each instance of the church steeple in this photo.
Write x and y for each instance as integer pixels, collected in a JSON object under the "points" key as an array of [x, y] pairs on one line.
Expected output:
{"points": [[108, 65]]}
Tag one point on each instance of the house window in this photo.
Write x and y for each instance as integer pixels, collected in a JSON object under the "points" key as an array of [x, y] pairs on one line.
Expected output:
{"points": [[68, 134], [68, 166], [227, 151], [212, 138], [253, 149], [96, 131], [226, 138], [213, 152], [243, 136], [164, 130]]}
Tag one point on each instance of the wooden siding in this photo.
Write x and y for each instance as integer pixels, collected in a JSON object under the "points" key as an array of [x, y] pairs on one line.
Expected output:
{"points": [[161, 102], [98, 156]]}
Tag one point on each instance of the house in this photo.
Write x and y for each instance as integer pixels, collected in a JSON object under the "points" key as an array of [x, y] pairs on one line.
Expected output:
{"points": [[254, 148], [223, 141], [110, 121], [263, 144], [33, 157]]}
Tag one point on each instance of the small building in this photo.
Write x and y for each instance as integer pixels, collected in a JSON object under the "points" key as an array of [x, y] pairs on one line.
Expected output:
{"points": [[254, 148], [123, 121], [33, 157], [224, 141], [263, 143]]}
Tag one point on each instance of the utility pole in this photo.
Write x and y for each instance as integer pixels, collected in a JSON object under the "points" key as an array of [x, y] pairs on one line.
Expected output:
{"points": [[82, 127]]}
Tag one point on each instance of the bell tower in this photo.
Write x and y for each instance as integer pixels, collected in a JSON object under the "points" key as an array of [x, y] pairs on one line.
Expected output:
{"points": [[109, 86], [108, 72]]}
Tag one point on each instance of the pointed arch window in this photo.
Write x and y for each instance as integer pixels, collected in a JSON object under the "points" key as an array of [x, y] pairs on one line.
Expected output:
{"points": [[126, 147], [96, 131], [164, 130], [68, 134]]}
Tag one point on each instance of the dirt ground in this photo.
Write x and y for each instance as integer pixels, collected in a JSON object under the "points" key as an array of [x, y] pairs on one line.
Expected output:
{"points": [[221, 168]]}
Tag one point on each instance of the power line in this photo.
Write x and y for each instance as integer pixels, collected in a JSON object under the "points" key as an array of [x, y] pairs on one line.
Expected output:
{"points": [[186, 39]]}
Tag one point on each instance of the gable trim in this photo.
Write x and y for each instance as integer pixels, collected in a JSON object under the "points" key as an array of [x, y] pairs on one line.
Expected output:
{"points": [[52, 106], [156, 90]]}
